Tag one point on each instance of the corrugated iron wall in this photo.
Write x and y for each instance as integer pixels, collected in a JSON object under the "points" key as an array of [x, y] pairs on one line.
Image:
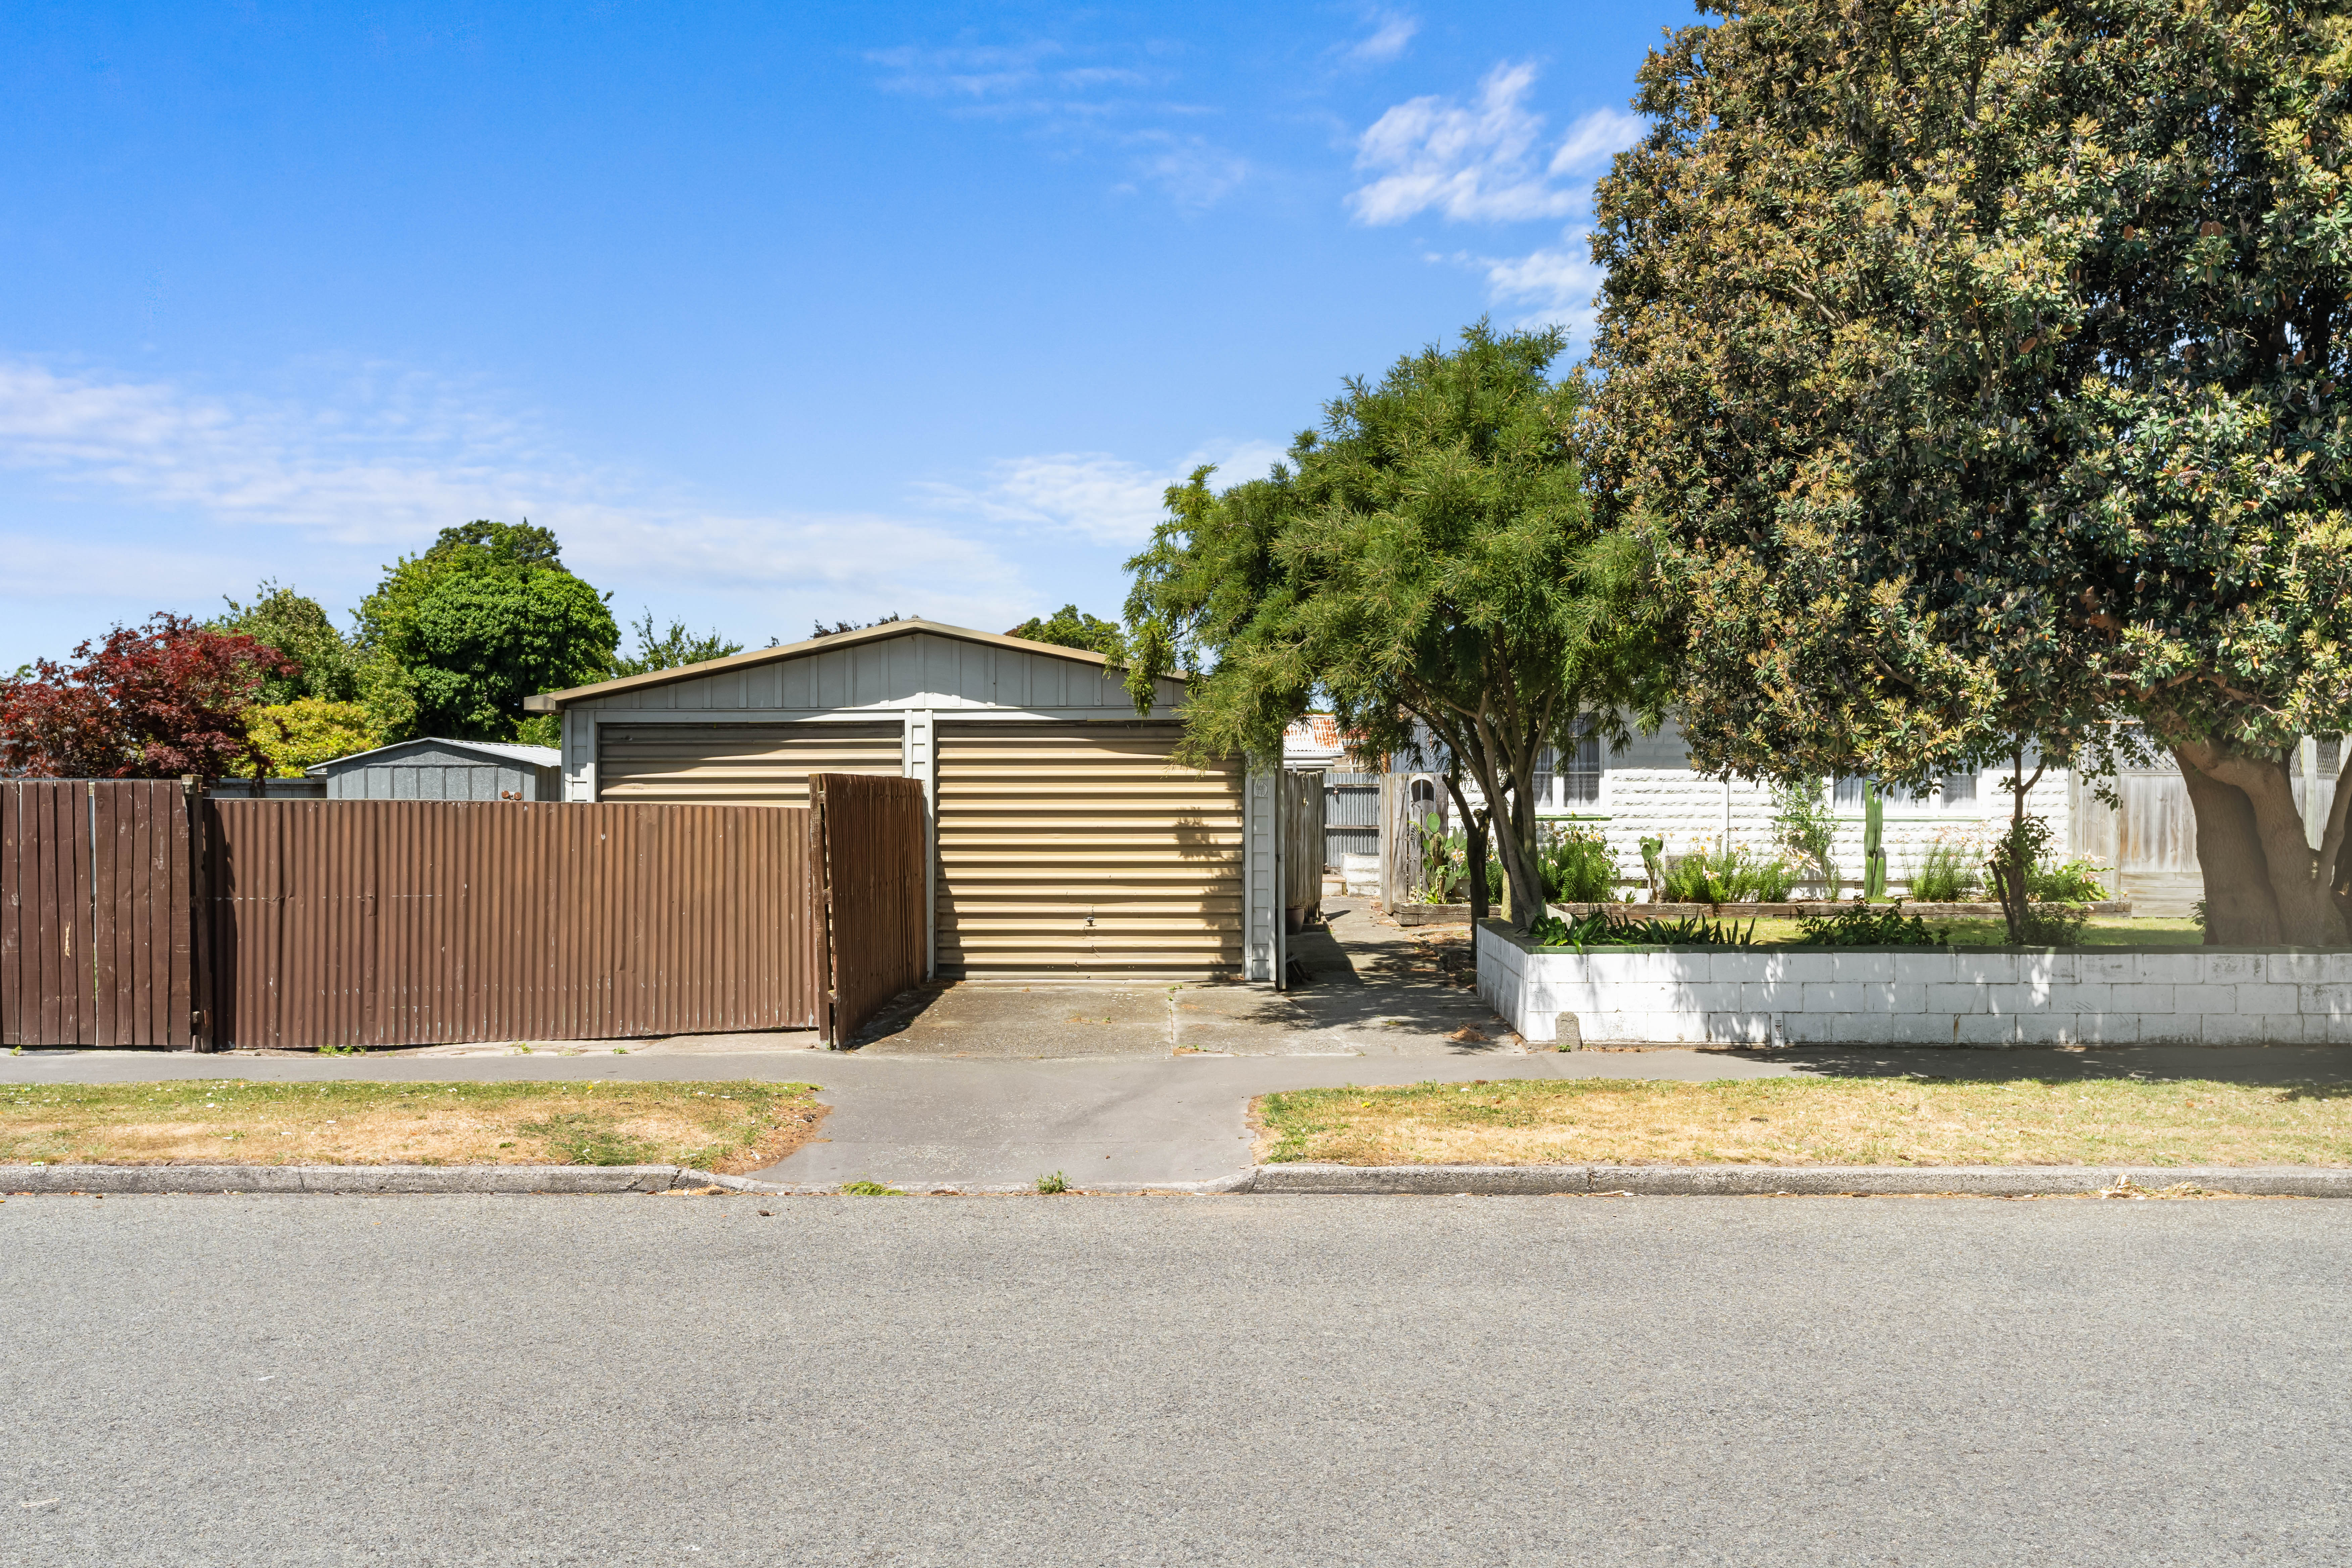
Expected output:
{"points": [[98, 940], [1351, 815], [417, 922], [1085, 850], [871, 834]]}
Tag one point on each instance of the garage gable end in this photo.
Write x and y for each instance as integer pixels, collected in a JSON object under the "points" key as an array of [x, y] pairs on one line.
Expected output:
{"points": [[933, 667]]}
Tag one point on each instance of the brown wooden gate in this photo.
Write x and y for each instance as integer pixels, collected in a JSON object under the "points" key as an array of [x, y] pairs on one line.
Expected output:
{"points": [[870, 836], [100, 944]]}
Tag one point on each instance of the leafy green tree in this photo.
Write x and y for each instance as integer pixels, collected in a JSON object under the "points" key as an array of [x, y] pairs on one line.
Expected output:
{"points": [[1071, 627], [290, 737], [1972, 374], [670, 649], [840, 626], [456, 638], [518, 544], [1427, 564], [297, 627]]}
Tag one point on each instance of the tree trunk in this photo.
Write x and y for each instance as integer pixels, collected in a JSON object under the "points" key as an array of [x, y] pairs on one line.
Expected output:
{"points": [[2240, 908], [1481, 902], [2307, 915], [1473, 840]]}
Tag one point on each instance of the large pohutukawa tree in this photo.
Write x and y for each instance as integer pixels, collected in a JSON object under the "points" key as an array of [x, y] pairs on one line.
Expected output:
{"points": [[1427, 563], [1885, 340]]}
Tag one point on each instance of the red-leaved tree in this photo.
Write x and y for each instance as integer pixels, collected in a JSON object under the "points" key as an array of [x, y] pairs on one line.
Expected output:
{"points": [[157, 700]]}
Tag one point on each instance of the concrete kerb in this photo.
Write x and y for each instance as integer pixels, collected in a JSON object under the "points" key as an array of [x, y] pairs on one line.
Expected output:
{"points": [[515, 1180], [1824, 1180], [1295, 1180]]}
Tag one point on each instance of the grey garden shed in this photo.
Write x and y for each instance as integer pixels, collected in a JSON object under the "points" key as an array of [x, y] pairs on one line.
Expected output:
{"points": [[435, 769]]}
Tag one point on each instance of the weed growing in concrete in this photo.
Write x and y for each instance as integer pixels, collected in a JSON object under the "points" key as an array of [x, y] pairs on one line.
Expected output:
{"points": [[870, 1190], [1055, 1182]]}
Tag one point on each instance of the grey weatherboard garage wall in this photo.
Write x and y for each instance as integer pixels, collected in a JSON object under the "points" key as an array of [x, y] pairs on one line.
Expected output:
{"points": [[433, 769], [917, 675]]}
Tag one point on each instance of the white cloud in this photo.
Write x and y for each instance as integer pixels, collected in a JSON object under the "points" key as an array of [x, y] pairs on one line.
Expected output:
{"points": [[1113, 99], [1100, 497], [975, 72], [1467, 163], [1195, 172], [1595, 139], [1559, 284], [1479, 163], [1388, 40], [387, 461]]}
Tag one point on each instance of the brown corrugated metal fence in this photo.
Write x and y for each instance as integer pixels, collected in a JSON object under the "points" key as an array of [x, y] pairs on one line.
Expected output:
{"points": [[134, 914], [870, 831], [98, 940], [415, 923]]}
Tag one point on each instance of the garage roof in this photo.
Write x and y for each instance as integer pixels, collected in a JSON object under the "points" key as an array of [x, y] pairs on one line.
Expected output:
{"points": [[551, 701]]}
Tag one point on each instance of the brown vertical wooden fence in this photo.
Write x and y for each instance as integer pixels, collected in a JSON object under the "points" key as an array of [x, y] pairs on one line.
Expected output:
{"points": [[870, 834], [99, 942]]}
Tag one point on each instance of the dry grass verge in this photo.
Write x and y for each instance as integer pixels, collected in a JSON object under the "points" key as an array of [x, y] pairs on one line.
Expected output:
{"points": [[728, 1127], [1812, 1121]]}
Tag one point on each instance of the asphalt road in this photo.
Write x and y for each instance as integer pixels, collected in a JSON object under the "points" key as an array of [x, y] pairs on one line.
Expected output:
{"points": [[1241, 1379]]}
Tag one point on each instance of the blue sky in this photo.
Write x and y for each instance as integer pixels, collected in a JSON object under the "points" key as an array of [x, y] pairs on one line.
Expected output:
{"points": [[771, 313]]}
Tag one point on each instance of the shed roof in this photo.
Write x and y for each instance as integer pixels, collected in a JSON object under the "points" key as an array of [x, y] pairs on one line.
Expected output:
{"points": [[550, 702], [494, 751]]}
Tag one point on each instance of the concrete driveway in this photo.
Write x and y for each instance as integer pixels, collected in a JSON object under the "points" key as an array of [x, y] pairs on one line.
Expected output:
{"points": [[1369, 990]]}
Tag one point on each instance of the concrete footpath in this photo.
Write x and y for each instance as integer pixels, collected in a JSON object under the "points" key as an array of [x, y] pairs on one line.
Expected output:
{"points": [[1122, 1121]]}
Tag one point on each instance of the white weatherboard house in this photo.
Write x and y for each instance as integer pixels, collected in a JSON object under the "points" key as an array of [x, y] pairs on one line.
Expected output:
{"points": [[2147, 841], [1066, 844]]}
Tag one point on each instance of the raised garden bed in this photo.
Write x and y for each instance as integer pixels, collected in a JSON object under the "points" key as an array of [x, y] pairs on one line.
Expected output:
{"points": [[1915, 996], [1459, 914], [1791, 910]]}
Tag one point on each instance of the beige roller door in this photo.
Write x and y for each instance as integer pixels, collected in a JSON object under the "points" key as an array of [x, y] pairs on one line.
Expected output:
{"points": [[736, 764], [1080, 851]]}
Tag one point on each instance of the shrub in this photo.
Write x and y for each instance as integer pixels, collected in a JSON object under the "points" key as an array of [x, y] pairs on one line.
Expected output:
{"points": [[1804, 826], [2075, 881], [1863, 924], [1731, 877], [1602, 928], [1578, 866], [2050, 925], [1947, 872]]}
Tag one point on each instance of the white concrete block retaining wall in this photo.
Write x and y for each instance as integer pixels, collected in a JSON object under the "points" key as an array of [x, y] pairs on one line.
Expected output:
{"points": [[1919, 996]]}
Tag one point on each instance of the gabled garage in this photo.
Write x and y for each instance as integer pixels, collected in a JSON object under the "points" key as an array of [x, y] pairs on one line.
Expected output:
{"points": [[1067, 841]]}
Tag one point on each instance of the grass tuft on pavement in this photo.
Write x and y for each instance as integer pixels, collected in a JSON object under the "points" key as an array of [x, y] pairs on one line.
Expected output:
{"points": [[727, 1127], [1887, 1120]]}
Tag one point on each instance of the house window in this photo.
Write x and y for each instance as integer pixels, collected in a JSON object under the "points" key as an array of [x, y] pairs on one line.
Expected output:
{"points": [[1959, 790], [2331, 755], [1580, 782], [1848, 795]]}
